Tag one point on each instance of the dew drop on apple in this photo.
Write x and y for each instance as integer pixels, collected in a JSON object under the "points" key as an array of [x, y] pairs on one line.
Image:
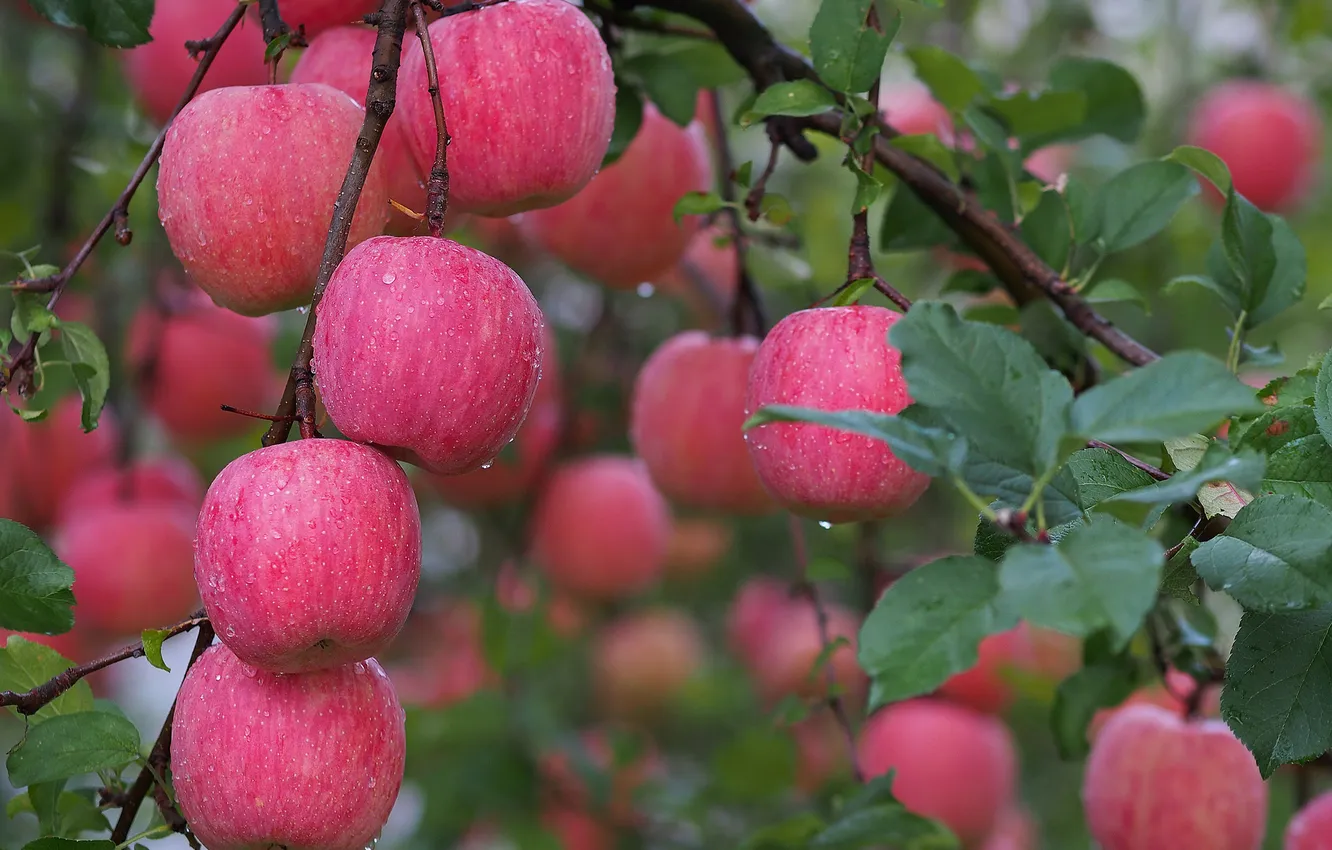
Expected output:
{"points": [[823, 523], [388, 278], [645, 290]]}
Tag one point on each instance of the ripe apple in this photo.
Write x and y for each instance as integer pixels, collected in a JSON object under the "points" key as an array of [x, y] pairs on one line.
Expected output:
{"points": [[1155, 780], [628, 773], [643, 660], [831, 358], [159, 71], [600, 529], [308, 554], [446, 662], [707, 276], [45, 458], [1169, 695], [300, 761], [1015, 831], [913, 111], [755, 613], [194, 361], [160, 480], [319, 15], [697, 545], [621, 229], [273, 158], [987, 686], [525, 135], [450, 334], [687, 420], [784, 662], [821, 752], [132, 564], [951, 763], [1311, 828], [1271, 139]]}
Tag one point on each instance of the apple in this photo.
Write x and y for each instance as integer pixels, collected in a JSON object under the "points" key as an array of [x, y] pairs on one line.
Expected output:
{"points": [[600, 529], [784, 663], [1270, 137], [45, 458], [621, 229], [1016, 830], [1169, 695], [687, 420], [950, 763], [447, 662], [755, 612], [452, 336], [912, 111], [1311, 828], [697, 545], [299, 761], [308, 554], [831, 358], [987, 686], [628, 772], [161, 480], [525, 135], [319, 15], [195, 360], [821, 752], [707, 276], [131, 565], [248, 178], [1155, 780], [159, 71], [643, 661]]}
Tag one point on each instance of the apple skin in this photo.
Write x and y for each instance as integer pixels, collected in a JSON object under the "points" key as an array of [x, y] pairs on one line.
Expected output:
{"points": [[44, 459], [755, 612], [831, 358], [1155, 780], [305, 761], [159, 71], [621, 229], [1016, 830], [319, 15], [784, 663], [132, 565], [159, 480], [913, 111], [600, 529], [821, 752], [200, 358], [642, 661], [308, 554], [985, 686], [697, 546], [1311, 828], [687, 420], [951, 763], [452, 335], [508, 160], [252, 249], [1271, 139]]}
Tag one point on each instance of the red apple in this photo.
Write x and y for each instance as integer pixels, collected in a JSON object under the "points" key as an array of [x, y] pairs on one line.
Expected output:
{"points": [[299, 761], [600, 529], [831, 358], [159, 71], [160, 480], [756, 611], [697, 545], [1271, 139], [319, 15], [643, 660], [687, 423], [987, 686], [247, 183], [707, 276], [308, 554], [951, 763], [621, 230], [1015, 831], [200, 358], [1048, 163], [447, 663], [45, 458], [1311, 828], [913, 111], [131, 565], [821, 752], [784, 663], [527, 134], [1169, 695]]}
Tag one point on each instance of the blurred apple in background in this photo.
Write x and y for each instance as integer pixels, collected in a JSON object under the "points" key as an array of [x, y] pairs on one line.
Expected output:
{"points": [[697, 546], [163, 480], [643, 660], [45, 458]]}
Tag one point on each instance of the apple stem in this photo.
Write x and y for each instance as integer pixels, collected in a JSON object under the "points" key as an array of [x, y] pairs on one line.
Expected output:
{"points": [[437, 187]]}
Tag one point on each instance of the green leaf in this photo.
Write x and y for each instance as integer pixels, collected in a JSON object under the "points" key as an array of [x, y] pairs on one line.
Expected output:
{"points": [[115, 23], [755, 765], [1258, 267], [51, 843], [1205, 163], [668, 83], [869, 188], [776, 208], [798, 98], [1092, 476], [908, 224], [890, 824], [1116, 291], [853, 292], [31, 314], [987, 383], [1048, 230], [1114, 105], [35, 594], [927, 626], [697, 203], [791, 834], [950, 80], [1299, 460], [1140, 201], [1323, 398], [72, 745], [1182, 393], [1279, 686], [25, 664], [628, 118], [1104, 684], [1179, 577], [1030, 114], [1276, 554], [1102, 575], [932, 451], [1243, 469], [279, 45], [928, 147], [91, 367], [152, 647], [847, 52]]}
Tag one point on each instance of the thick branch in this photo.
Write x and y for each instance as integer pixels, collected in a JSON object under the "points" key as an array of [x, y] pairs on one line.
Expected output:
{"points": [[270, 19], [437, 186]]}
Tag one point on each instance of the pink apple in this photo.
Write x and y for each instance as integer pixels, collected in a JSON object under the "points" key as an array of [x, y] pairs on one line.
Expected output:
{"points": [[450, 335], [195, 360], [707, 276], [319, 15], [45, 458], [299, 761], [446, 662], [821, 752], [988, 685], [621, 230], [1311, 828], [161, 480], [687, 423], [1155, 780], [758, 608], [308, 554], [642, 661], [1271, 139], [785, 663], [831, 358], [697, 546], [913, 111], [1048, 163], [951, 763], [246, 187], [131, 565], [600, 529], [1015, 831], [525, 135], [159, 71]]}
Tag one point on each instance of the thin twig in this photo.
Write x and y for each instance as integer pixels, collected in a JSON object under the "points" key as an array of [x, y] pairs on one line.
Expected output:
{"points": [[747, 308], [274, 28], [1146, 467], [754, 199], [437, 186]]}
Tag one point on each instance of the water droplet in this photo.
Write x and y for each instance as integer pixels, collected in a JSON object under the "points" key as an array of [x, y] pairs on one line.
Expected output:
{"points": [[824, 524], [388, 278], [645, 290]]}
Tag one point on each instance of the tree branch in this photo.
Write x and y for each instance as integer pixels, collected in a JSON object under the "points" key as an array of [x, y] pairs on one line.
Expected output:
{"points": [[747, 307], [437, 186]]}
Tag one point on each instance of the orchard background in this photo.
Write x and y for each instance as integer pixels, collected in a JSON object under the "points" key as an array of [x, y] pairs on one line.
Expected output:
{"points": [[1115, 341]]}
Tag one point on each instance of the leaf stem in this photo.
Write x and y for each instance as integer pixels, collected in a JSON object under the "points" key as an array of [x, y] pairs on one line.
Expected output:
{"points": [[1236, 342]]}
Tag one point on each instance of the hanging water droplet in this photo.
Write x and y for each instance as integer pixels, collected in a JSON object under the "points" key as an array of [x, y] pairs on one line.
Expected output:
{"points": [[824, 524]]}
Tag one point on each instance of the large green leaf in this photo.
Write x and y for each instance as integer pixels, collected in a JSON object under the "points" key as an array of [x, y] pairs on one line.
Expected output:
{"points": [[1139, 202], [951, 81], [801, 97], [35, 594], [24, 665], [91, 367], [1323, 398], [932, 451], [72, 745], [1114, 104], [1048, 231], [847, 52], [115, 23], [1243, 469], [1093, 476], [1299, 460], [53, 843]]}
